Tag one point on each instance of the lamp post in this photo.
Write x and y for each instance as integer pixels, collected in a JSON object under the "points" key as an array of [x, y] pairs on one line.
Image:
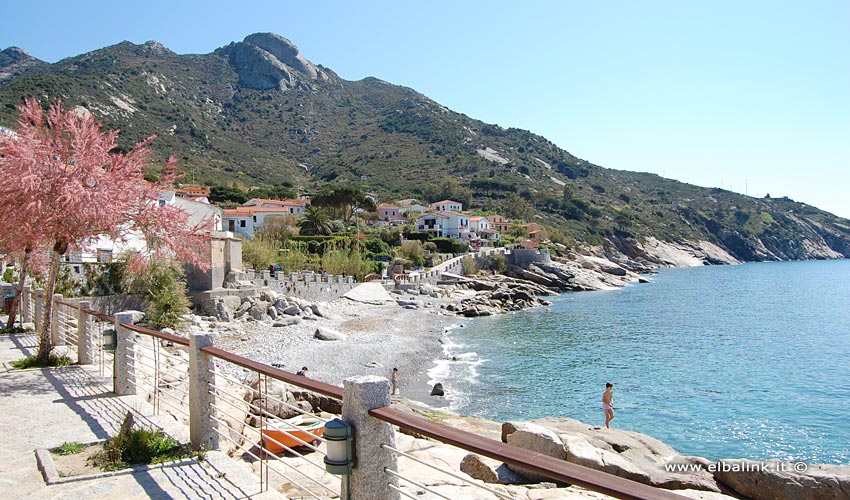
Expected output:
{"points": [[340, 453]]}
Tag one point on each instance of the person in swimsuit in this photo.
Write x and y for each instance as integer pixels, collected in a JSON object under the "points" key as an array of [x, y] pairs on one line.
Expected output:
{"points": [[394, 380], [608, 403]]}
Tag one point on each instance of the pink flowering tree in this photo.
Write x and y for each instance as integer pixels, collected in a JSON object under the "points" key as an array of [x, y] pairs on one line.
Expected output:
{"points": [[65, 183]]}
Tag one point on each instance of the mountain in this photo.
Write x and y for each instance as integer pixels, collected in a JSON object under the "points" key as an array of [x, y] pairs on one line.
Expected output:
{"points": [[257, 113]]}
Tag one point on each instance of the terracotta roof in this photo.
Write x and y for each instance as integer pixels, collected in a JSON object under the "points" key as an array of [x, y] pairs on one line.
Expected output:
{"points": [[253, 210]]}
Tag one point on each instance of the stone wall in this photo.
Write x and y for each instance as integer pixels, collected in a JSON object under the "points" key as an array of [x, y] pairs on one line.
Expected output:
{"points": [[521, 257]]}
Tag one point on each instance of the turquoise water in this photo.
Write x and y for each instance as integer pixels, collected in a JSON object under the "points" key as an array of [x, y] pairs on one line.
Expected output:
{"points": [[745, 361]]}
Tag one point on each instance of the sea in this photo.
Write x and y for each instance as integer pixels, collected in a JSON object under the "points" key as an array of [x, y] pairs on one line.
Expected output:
{"points": [[744, 361]]}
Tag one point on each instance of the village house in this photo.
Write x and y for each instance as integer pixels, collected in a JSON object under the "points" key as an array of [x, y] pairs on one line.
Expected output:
{"points": [[294, 206], [105, 250], [246, 220], [482, 232], [445, 225], [499, 223], [388, 212], [447, 206]]}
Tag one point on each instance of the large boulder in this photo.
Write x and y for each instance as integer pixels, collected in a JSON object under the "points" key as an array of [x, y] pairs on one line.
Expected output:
{"points": [[776, 480], [279, 402], [292, 310], [328, 334], [488, 470], [626, 454], [580, 451], [537, 439]]}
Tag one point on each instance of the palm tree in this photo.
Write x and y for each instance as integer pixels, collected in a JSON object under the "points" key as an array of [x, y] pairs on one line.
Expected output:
{"points": [[314, 222]]}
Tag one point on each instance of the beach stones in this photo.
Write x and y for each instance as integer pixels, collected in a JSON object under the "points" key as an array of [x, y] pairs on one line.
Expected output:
{"points": [[437, 390]]}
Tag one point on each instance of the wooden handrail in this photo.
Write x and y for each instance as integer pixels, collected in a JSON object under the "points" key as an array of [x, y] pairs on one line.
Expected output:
{"points": [[275, 373], [154, 333], [551, 467]]}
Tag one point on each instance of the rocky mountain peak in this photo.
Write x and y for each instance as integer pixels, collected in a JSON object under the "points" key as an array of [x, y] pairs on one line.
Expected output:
{"points": [[13, 55], [14, 61], [154, 47], [268, 61]]}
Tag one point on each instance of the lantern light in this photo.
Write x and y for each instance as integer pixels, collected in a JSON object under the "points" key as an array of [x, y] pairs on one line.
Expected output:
{"points": [[340, 453]]}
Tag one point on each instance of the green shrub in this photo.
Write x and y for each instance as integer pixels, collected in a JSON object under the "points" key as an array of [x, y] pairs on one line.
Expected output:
{"points": [[133, 446], [259, 252], [467, 266], [164, 287], [55, 361], [67, 448]]}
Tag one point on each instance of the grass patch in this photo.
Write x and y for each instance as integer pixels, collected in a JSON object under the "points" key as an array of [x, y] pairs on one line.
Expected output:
{"points": [[434, 416], [55, 361], [133, 446], [69, 448], [11, 330]]}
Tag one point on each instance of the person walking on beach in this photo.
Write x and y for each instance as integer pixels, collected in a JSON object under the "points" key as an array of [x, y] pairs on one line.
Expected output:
{"points": [[394, 380], [608, 403]]}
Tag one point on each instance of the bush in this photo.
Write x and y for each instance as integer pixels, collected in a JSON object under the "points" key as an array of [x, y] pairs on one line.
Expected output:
{"points": [[448, 245], [139, 447], [467, 266], [414, 252], [164, 287], [259, 252]]}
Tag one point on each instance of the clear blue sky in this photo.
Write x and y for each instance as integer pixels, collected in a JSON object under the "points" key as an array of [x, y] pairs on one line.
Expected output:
{"points": [[752, 96]]}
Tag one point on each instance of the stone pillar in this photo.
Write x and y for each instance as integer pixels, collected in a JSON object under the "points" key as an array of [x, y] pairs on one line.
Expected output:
{"points": [[250, 274], [84, 334], [124, 375], [266, 274], [26, 305], [368, 479], [39, 309], [202, 435], [55, 334]]}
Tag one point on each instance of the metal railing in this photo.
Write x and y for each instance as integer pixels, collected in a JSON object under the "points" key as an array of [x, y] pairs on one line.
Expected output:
{"points": [[248, 401]]}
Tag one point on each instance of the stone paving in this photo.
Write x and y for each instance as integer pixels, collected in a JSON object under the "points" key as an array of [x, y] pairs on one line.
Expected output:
{"points": [[43, 408]]}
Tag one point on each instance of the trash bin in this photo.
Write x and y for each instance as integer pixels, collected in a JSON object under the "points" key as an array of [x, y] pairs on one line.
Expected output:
{"points": [[8, 300]]}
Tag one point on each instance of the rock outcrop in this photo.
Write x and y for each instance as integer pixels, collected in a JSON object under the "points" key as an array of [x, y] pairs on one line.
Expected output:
{"points": [[776, 480], [269, 61], [626, 454]]}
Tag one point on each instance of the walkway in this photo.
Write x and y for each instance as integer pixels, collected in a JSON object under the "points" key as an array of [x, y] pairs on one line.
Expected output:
{"points": [[43, 408]]}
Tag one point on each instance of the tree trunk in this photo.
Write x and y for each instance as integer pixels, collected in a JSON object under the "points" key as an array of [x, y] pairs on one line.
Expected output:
{"points": [[45, 346], [13, 312]]}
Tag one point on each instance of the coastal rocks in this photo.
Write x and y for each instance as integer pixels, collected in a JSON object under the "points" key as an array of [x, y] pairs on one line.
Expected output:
{"points": [[540, 440], [264, 304], [580, 451], [279, 401], [626, 454], [497, 295], [488, 470], [438, 390], [775, 480], [328, 334]]}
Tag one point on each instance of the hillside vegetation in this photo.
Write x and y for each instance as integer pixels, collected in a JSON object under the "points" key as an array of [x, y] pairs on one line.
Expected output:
{"points": [[256, 113]]}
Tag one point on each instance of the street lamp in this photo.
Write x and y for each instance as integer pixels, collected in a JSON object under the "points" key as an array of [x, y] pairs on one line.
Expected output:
{"points": [[340, 453]]}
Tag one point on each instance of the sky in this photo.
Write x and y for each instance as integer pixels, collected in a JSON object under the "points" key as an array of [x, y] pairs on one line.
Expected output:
{"points": [[749, 96]]}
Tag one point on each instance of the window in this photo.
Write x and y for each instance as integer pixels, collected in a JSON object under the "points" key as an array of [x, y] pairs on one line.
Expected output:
{"points": [[242, 223]]}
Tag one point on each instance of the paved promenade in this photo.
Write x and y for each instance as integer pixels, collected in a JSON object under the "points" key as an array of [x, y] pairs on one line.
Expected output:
{"points": [[43, 408]]}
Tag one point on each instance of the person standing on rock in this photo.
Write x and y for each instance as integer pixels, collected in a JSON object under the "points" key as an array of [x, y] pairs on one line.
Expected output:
{"points": [[394, 380], [608, 403]]}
